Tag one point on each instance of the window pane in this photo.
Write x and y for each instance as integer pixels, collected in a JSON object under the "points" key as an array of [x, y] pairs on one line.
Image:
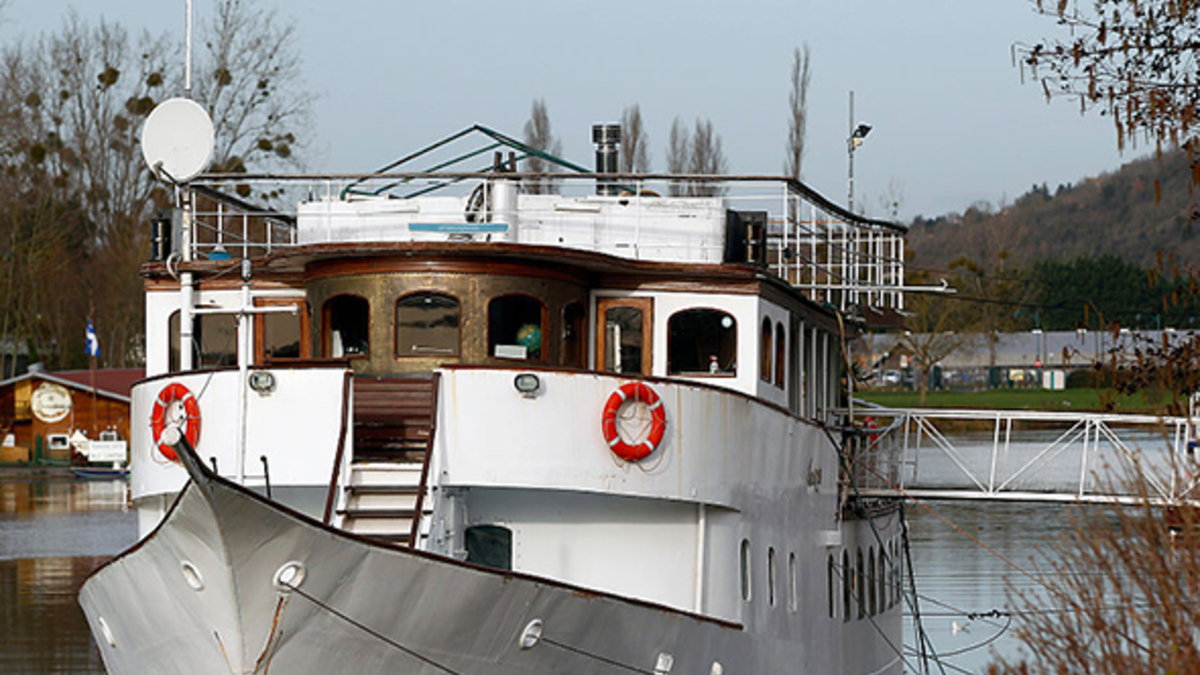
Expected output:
{"points": [[427, 325], [745, 559], [214, 340], [281, 335], [348, 321], [764, 352], [780, 354], [623, 333], [701, 341], [515, 327], [771, 576]]}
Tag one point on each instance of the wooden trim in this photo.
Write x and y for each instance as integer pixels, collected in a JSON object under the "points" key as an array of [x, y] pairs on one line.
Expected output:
{"points": [[272, 281], [331, 496], [341, 267], [646, 306], [416, 524]]}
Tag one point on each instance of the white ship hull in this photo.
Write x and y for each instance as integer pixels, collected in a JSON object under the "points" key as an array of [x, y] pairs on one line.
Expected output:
{"points": [[203, 594]]}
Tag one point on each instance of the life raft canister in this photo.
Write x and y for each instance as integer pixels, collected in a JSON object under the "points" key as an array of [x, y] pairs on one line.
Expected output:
{"points": [[173, 399], [630, 393]]}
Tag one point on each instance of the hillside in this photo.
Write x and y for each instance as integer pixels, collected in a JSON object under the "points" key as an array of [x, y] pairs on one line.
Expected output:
{"points": [[1116, 213]]}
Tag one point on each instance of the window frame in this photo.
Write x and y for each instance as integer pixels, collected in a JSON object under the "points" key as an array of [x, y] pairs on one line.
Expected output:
{"points": [[327, 328], [260, 329], [721, 314], [543, 325], [457, 354]]}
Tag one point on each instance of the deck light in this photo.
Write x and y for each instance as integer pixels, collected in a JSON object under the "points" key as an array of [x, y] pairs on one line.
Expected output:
{"points": [[528, 384]]}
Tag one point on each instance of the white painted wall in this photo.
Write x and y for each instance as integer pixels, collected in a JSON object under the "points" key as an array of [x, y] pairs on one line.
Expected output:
{"points": [[296, 427]]}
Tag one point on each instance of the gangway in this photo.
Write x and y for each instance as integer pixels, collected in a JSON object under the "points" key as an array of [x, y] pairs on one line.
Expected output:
{"points": [[1013, 455]]}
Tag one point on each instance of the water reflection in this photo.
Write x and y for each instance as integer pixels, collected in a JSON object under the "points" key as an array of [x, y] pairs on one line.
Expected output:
{"points": [[54, 531], [957, 576]]}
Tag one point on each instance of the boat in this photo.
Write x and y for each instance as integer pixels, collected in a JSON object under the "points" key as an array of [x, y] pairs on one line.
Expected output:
{"points": [[100, 472], [506, 423]]}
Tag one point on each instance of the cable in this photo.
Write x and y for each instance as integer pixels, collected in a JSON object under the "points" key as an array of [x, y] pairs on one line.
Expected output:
{"points": [[372, 632], [597, 657]]}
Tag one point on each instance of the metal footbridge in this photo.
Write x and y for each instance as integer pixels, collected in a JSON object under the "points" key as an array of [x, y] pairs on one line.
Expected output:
{"points": [[1010, 455]]}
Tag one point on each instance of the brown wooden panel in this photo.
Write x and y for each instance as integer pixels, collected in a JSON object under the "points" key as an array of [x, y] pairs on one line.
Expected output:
{"points": [[392, 416]]}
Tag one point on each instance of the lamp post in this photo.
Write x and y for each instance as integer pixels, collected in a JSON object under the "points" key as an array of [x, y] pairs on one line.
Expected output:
{"points": [[857, 134]]}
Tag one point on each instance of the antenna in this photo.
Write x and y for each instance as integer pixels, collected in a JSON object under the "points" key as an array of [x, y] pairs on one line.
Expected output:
{"points": [[178, 140]]}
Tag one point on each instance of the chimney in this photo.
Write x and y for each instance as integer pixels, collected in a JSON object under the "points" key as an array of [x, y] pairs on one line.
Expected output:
{"points": [[607, 138]]}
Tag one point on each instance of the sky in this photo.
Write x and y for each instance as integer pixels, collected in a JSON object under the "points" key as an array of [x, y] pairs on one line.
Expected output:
{"points": [[953, 124]]}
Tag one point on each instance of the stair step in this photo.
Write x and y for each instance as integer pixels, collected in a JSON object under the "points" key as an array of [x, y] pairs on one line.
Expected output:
{"points": [[377, 514], [381, 489]]}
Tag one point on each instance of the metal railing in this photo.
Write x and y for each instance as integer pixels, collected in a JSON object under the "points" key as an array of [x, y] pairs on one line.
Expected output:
{"points": [[1024, 456], [832, 255]]}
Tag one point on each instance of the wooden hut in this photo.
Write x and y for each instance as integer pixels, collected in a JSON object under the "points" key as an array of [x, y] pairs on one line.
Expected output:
{"points": [[41, 412]]}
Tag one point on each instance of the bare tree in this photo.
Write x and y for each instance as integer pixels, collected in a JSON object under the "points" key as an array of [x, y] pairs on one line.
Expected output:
{"points": [[679, 154], [797, 112], [707, 159], [1135, 60], [931, 331], [1120, 593], [250, 81], [77, 196], [635, 144], [541, 138]]}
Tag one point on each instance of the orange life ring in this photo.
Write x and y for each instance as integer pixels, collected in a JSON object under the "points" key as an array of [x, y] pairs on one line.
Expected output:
{"points": [[633, 391], [872, 437], [171, 395]]}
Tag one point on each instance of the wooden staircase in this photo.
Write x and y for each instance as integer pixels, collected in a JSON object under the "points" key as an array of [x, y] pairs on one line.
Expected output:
{"points": [[381, 500], [393, 425]]}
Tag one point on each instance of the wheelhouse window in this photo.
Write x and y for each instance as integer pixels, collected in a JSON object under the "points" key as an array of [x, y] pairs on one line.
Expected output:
{"points": [[427, 325], [214, 340], [347, 326], [515, 327], [574, 337], [765, 352], [701, 341]]}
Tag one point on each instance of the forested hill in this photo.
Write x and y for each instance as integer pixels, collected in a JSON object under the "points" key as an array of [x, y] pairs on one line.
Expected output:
{"points": [[1113, 214]]}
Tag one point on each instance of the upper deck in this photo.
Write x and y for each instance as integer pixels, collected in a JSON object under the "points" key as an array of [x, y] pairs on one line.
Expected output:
{"points": [[774, 223]]}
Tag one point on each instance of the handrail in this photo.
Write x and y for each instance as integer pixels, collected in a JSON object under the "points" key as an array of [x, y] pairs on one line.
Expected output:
{"points": [[415, 532], [347, 393]]}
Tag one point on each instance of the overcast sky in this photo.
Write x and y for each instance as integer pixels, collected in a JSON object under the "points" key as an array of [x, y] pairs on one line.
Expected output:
{"points": [[953, 123]]}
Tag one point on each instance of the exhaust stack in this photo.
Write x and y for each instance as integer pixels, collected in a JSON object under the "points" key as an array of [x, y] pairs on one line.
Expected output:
{"points": [[607, 138]]}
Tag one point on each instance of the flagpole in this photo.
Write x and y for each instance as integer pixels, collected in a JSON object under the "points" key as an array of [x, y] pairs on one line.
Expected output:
{"points": [[92, 368]]}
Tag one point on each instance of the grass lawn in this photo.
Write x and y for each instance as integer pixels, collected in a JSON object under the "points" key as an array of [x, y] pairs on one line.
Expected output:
{"points": [[1083, 399]]}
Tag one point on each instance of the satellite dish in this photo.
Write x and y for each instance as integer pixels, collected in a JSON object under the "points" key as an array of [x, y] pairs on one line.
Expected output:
{"points": [[177, 140]]}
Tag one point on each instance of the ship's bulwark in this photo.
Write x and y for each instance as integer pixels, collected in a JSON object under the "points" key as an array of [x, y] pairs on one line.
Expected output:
{"points": [[204, 587]]}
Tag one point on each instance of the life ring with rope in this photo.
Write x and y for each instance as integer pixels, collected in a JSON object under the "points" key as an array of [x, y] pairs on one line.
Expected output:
{"points": [[175, 406], [633, 392]]}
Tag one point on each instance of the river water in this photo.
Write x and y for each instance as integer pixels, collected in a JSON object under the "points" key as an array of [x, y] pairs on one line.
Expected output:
{"points": [[55, 530]]}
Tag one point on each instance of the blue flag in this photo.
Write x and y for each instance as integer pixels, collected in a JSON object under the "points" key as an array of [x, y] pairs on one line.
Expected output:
{"points": [[93, 343]]}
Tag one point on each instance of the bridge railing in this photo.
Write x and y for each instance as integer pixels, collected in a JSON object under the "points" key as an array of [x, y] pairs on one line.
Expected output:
{"points": [[1024, 455]]}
